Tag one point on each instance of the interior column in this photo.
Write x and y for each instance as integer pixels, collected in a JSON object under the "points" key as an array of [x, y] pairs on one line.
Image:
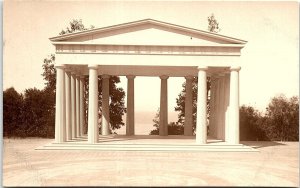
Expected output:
{"points": [[77, 106], [163, 114], [60, 110], [68, 105], [201, 125], [212, 128], [130, 106], [81, 111], [188, 111], [105, 105], [222, 106], [93, 131], [73, 104], [234, 105]]}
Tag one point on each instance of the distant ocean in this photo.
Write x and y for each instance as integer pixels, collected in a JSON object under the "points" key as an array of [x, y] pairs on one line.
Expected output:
{"points": [[144, 123]]}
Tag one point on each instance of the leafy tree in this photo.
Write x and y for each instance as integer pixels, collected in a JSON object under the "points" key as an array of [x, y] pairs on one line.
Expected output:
{"points": [[283, 119], [49, 73], [173, 128], [12, 111], [213, 25], [156, 124], [251, 124], [38, 109]]}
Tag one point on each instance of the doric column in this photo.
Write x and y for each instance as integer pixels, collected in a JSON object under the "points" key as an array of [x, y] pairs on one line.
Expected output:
{"points": [[234, 137], [68, 105], [227, 115], [201, 125], [81, 111], [188, 111], [212, 129], [93, 131], [222, 106], [163, 114], [78, 106], [130, 106], [60, 108], [105, 105], [73, 104], [219, 135]]}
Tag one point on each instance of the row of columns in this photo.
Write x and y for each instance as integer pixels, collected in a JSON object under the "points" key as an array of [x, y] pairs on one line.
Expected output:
{"points": [[69, 115], [69, 106], [224, 106]]}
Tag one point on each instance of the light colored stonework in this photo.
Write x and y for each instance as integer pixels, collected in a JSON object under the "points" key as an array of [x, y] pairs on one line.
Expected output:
{"points": [[148, 48]]}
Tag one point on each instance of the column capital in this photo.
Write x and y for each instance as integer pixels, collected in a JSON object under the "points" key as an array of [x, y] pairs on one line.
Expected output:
{"points": [[235, 68], [91, 66], [202, 68], [130, 76], [163, 77], [105, 76], [189, 77], [59, 66], [82, 76]]}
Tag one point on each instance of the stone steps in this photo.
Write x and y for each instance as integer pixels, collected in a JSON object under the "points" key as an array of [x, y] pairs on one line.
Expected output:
{"points": [[149, 147]]}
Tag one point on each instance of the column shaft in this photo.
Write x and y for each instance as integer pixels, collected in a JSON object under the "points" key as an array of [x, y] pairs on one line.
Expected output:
{"points": [[81, 111], [73, 104], [222, 106], [60, 108], [219, 115], [227, 123], [234, 106], [201, 126], [68, 106], [212, 109], [188, 122], [130, 106], [105, 105], [163, 115], [93, 131], [77, 106]]}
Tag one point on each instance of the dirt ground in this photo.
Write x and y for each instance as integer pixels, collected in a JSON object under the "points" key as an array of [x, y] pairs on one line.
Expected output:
{"points": [[276, 164]]}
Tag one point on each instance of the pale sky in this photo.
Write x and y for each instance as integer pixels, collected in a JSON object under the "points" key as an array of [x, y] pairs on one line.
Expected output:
{"points": [[270, 59]]}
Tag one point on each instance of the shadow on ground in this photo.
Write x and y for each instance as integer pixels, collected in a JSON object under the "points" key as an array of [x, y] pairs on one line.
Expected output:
{"points": [[261, 144]]}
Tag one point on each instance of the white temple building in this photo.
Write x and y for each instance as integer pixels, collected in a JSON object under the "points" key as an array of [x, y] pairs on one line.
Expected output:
{"points": [[147, 48]]}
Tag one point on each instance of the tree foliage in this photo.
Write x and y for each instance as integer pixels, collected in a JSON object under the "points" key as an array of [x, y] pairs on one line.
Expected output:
{"points": [[49, 74], [279, 123], [39, 113], [251, 122], [283, 119], [173, 127], [29, 114], [12, 111]]}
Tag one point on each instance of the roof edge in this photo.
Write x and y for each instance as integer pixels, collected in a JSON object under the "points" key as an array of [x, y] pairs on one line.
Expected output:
{"points": [[148, 20]]}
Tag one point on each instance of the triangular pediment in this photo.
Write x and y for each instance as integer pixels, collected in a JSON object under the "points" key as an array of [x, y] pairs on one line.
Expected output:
{"points": [[147, 32]]}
